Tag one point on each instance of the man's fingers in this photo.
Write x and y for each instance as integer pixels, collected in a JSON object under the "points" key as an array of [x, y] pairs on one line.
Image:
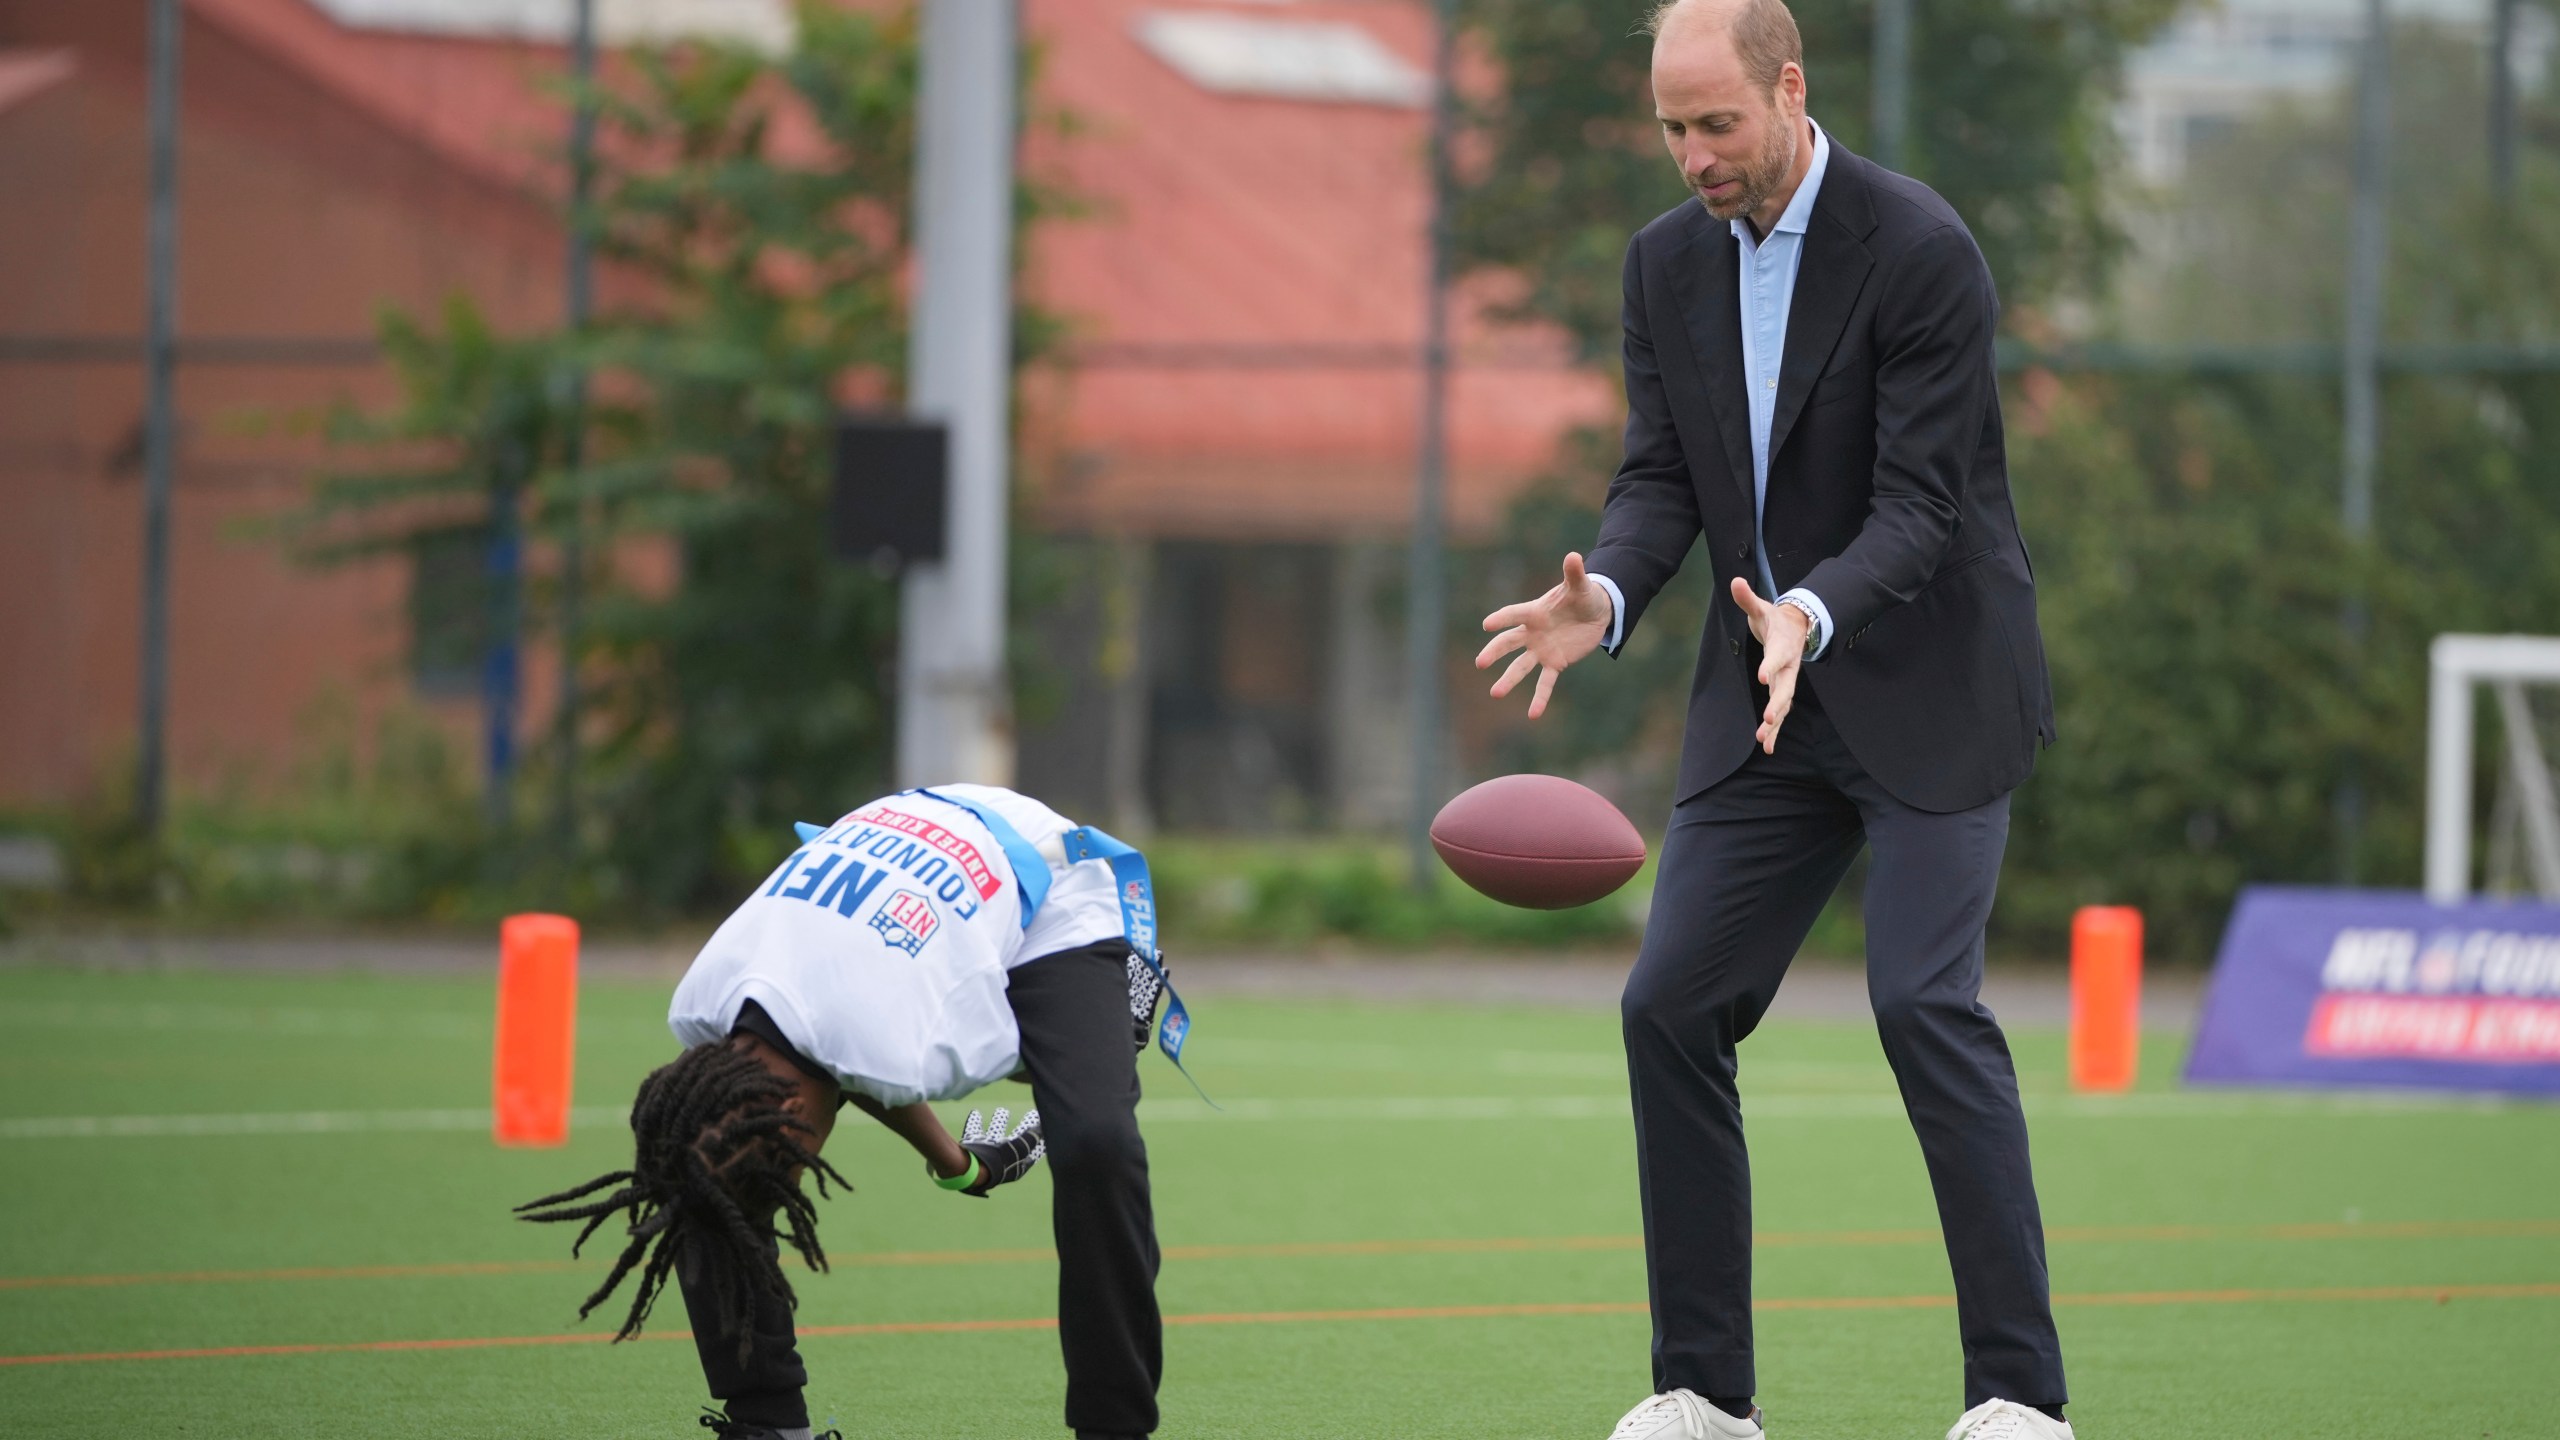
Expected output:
{"points": [[1756, 612], [1526, 612], [1546, 687], [1519, 667], [1573, 572], [1501, 645], [1782, 702]]}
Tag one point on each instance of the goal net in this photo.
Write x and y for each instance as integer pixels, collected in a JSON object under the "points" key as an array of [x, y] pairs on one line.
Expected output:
{"points": [[2519, 675]]}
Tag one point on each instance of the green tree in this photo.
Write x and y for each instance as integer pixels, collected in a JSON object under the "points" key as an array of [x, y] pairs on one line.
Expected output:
{"points": [[735, 675], [2008, 121], [2190, 564], [2192, 570], [755, 687]]}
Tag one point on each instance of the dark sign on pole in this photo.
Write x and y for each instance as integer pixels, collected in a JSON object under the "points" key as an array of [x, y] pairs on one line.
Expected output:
{"points": [[892, 491]]}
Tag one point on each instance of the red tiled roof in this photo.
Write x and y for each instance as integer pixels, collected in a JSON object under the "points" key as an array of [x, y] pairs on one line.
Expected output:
{"points": [[1222, 228], [1239, 225], [479, 103]]}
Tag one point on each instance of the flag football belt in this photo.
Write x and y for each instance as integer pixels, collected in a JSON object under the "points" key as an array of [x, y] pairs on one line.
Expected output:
{"points": [[1131, 883]]}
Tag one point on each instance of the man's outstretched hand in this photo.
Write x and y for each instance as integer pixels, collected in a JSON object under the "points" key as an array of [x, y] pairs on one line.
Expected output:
{"points": [[1550, 632], [1780, 629]]}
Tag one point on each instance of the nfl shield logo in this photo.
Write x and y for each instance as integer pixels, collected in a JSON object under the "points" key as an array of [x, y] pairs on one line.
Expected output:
{"points": [[906, 920]]}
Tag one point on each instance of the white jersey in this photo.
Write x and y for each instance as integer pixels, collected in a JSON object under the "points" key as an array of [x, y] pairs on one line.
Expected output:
{"points": [[880, 947]]}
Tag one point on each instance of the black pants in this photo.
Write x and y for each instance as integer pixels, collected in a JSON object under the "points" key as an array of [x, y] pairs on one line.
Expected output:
{"points": [[1746, 868], [1073, 1010]]}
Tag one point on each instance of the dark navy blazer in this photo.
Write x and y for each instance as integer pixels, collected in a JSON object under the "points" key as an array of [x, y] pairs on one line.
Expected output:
{"points": [[1888, 488]]}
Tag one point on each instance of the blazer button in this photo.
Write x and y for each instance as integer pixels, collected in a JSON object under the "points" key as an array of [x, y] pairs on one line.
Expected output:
{"points": [[1734, 645], [1742, 551]]}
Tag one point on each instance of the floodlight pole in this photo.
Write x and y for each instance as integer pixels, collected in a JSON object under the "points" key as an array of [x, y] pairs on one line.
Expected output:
{"points": [[2368, 254], [1889, 85], [2502, 100], [1427, 616], [952, 694], [159, 430], [579, 284]]}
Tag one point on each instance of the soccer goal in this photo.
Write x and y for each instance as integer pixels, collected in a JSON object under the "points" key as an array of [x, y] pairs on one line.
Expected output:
{"points": [[2524, 823]]}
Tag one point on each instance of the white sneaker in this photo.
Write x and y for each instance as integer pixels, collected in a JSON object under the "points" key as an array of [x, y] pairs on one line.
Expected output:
{"points": [[1684, 1415], [2007, 1420]]}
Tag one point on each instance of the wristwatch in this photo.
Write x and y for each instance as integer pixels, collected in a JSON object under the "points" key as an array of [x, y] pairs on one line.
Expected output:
{"points": [[1812, 625]]}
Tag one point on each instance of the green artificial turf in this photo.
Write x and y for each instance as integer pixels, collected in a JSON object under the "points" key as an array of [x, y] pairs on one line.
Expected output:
{"points": [[2230, 1264]]}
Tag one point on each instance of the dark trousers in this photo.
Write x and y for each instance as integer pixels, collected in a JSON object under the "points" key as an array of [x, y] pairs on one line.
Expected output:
{"points": [[1073, 1010], [1746, 867]]}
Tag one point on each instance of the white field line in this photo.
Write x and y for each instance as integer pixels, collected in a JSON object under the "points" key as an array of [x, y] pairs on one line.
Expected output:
{"points": [[2176, 1105], [1424, 1058], [1360, 1109], [288, 1122], [241, 1019], [299, 1020]]}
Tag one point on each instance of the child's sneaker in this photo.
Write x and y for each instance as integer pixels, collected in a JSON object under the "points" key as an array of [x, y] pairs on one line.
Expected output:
{"points": [[728, 1429]]}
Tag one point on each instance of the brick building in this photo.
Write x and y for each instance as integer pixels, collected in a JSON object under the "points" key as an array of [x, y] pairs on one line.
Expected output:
{"points": [[1233, 444]]}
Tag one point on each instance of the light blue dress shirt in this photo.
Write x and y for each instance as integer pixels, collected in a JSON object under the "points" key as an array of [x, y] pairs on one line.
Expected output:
{"points": [[1768, 292]]}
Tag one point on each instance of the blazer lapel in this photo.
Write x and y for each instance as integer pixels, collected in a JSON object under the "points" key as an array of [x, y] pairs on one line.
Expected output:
{"points": [[1833, 271], [1704, 276]]}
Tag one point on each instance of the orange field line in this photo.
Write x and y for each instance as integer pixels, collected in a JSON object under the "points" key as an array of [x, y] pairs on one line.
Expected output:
{"points": [[2440, 1294], [1538, 1244], [312, 1272]]}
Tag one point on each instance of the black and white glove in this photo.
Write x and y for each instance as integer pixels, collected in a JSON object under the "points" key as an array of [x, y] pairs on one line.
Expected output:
{"points": [[1144, 991], [1002, 1159]]}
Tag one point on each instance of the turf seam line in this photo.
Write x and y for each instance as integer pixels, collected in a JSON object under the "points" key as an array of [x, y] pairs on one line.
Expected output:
{"points": [[1319, 1249], [2440, 1294], [1814, 1105]]}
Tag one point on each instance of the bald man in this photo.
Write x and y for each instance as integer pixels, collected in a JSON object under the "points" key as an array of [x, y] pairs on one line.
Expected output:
{"points": [[1810, 390]]}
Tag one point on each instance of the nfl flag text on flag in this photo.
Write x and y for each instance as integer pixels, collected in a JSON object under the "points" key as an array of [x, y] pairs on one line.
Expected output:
{"points": [[2367, 988]]}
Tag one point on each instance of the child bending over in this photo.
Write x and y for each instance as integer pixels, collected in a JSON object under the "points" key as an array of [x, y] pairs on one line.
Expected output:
{"points": [[923, 946]]}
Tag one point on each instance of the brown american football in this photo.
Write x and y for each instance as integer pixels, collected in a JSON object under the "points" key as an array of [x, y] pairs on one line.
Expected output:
{"points": [[1541, 842]]}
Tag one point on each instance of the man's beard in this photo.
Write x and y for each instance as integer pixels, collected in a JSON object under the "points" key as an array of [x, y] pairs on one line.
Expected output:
{"points": [[1760, 180]]}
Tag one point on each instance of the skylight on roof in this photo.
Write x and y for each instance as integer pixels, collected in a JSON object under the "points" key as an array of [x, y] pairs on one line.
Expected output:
{"points": [[764, 24], [1285, 59]]}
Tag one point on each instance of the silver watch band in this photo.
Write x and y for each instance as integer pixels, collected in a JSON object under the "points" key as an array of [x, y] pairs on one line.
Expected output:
{"points": [[1812, 625]]}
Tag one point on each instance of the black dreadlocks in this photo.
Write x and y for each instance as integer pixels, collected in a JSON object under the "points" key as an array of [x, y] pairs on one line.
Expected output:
{"points": [[714, 1163]]}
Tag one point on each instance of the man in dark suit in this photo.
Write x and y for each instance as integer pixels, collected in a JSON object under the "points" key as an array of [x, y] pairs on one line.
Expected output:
{"points": [[1810, 390]]}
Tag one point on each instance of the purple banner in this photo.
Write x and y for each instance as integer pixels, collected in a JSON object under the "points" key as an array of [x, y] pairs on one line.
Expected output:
{"points": [[2380, 988]]}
